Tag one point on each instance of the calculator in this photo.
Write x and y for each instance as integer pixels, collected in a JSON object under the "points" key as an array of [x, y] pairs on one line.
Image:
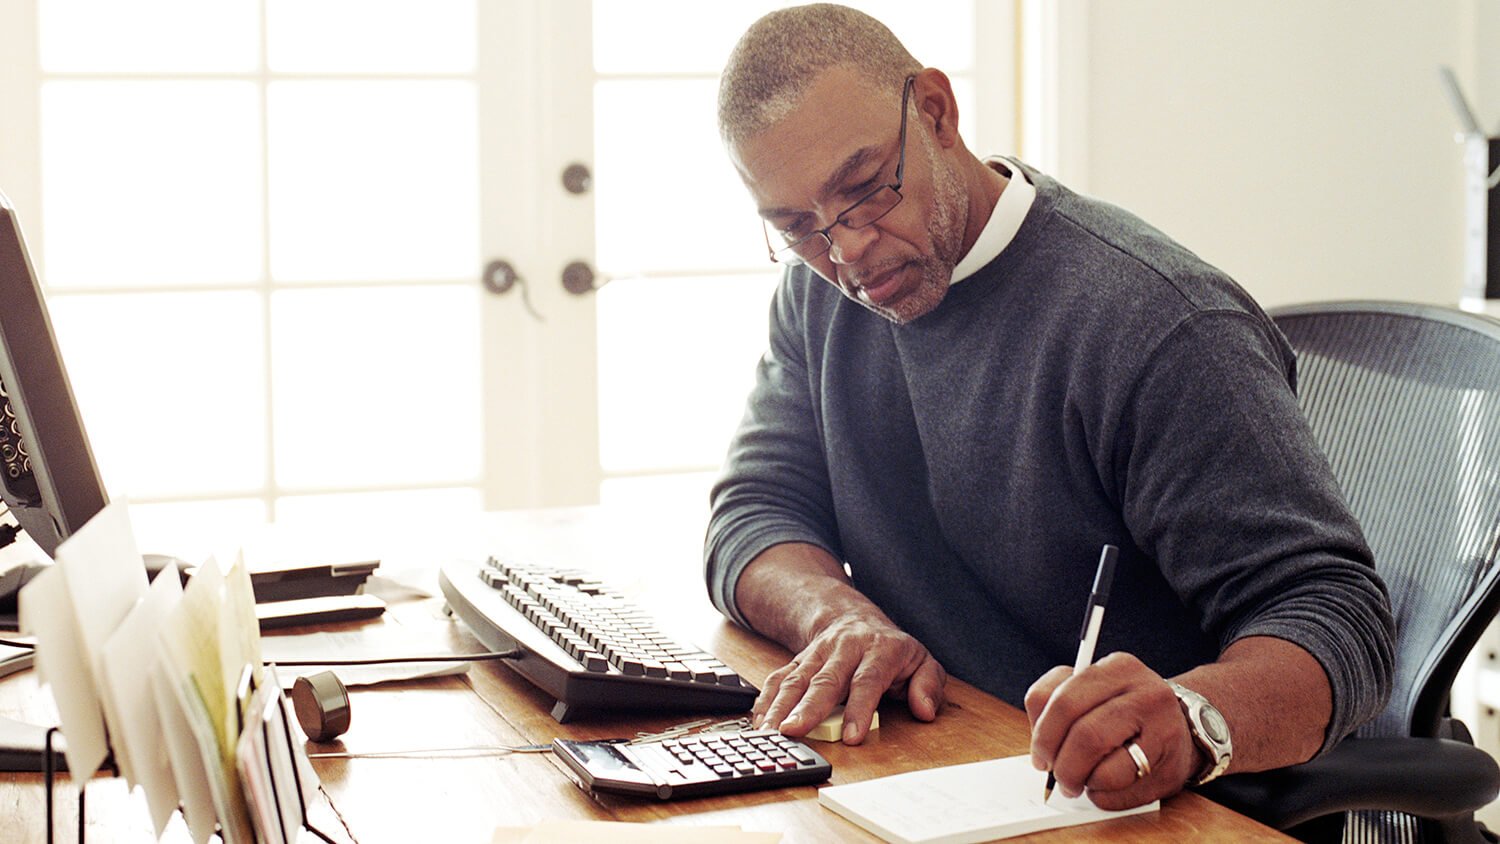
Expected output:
{"points": [[697, 765]]}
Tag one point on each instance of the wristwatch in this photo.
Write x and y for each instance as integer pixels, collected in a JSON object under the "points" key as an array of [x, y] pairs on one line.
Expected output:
{"points": [[1210, 733]]}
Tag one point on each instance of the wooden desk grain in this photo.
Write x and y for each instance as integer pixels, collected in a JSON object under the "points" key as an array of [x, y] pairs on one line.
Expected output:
{"points": [[443, 799]]}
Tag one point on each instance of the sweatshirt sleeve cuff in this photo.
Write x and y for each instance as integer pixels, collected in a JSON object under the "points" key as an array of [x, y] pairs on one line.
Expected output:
{"points": [[1356, 695], [731, 557]]}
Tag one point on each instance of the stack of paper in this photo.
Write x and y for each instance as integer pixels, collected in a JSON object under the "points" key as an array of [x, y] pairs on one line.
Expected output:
{"points": [[958, 804], [170, 680]]}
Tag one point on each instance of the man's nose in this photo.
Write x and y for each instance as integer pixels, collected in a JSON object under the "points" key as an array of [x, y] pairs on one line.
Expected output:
{"points": [[847, 246]]}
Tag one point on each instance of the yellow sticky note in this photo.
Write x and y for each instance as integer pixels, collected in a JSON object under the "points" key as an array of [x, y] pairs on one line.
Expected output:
{"points": [[832, 727]]}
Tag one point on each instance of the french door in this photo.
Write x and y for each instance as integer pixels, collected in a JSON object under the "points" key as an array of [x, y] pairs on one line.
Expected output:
{"points": [[333, 260]]}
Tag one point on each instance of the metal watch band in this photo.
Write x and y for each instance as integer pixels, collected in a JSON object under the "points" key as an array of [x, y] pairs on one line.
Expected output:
{"points": [[1209, 730]]}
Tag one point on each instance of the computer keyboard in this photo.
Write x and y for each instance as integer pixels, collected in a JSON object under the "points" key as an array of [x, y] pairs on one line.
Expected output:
{"points": [[584, 644]]}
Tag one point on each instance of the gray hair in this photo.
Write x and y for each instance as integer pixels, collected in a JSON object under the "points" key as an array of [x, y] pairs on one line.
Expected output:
{"points": [[780, 55]]}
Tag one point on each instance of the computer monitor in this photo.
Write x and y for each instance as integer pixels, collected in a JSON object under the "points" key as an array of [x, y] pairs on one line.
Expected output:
{"points": [[48, 479]]}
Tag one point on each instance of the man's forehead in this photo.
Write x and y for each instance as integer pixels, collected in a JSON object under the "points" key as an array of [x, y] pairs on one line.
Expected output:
{"points": [[837, 127]]}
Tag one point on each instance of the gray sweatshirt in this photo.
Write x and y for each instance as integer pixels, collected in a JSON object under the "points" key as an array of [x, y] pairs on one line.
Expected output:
{"points": [[1095, 383]]}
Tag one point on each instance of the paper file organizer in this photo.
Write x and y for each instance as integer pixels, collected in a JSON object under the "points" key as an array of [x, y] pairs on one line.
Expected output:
{"points": [[278, 773], [164, 684]]}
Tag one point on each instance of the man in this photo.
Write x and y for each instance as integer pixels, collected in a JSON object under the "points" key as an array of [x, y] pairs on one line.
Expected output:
{"points": [[975, 380]]}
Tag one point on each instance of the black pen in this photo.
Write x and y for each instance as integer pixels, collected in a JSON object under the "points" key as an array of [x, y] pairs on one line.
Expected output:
{"points": [[1088, 637]]}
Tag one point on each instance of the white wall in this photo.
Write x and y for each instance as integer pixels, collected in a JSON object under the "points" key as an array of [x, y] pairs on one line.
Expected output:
{"points": [[1304, 146]]}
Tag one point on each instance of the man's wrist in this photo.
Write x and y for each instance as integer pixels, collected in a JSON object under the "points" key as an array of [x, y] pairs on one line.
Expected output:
{"points": [[1209, 731], [784, 592]]}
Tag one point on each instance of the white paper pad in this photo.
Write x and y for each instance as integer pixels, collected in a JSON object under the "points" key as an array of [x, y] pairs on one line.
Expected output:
{"points": [[959, 804]]}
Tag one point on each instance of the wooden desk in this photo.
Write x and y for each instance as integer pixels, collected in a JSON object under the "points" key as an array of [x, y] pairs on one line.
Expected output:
{"points": [[464, 799]]}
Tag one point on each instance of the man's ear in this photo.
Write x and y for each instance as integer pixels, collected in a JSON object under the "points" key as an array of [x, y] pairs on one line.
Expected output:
{"points": [[937, 105]]}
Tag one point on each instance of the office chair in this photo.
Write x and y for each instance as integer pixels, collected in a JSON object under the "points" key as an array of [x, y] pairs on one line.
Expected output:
{"points": [[1405, 401]]}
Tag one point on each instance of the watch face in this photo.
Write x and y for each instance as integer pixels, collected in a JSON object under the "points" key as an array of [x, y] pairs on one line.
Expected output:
{"points": [[1214, 725]]}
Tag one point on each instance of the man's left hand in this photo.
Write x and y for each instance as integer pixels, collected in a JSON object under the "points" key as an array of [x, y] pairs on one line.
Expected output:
{"points": [[1080, 726]]}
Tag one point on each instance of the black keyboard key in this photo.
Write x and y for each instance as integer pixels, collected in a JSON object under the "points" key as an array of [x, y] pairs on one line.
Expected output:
{"points": [[588, 621], [803, 757]]}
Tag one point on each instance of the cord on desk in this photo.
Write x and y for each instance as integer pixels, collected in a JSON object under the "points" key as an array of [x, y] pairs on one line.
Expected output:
{"points": [[304, 663], [444, 752], [513, 653]]}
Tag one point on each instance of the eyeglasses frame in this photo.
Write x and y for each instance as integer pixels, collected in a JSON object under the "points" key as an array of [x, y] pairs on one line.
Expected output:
{"points": [[788, 254]]}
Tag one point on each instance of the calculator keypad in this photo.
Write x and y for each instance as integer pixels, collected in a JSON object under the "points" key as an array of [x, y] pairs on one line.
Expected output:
{"points": [[741, 754], [696, 765]]}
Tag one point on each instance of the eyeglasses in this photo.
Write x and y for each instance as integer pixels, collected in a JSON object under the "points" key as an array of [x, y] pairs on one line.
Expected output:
{"points": [[870, 208]]}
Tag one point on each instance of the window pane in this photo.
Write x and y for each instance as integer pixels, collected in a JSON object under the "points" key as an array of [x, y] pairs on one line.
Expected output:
{"points": [[677, 579], [377, 512], [681, 492], [668, 198], [194, 530], [680, 36], [938, 33], [143, 36], [374, 181], [171, 387], [645, 36], [376, 386], [676, 360], [151, 183], [381, 36]]}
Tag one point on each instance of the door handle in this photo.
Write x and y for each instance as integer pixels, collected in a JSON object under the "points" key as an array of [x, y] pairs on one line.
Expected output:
{"points": [[500, 276], [578, 278]]}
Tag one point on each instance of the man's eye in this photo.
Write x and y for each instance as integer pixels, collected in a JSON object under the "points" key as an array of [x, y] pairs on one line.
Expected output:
{"points": [[863, 187]]}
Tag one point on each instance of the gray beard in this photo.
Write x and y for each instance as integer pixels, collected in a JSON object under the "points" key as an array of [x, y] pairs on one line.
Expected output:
{"points": [[945, 236]]}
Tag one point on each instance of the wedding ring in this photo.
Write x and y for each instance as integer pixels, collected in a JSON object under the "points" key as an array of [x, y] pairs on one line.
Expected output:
{"points": [[1138, 756]]}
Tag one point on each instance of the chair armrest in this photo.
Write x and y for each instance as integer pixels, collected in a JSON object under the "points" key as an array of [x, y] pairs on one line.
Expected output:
{"points": [[1426, 777]]}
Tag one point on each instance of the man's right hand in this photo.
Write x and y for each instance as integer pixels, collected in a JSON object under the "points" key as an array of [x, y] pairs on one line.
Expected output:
{"points": [[848, 651], [856, 660]]}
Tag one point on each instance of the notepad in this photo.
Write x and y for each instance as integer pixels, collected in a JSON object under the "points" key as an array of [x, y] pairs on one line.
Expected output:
{"points": [[958, 804]]}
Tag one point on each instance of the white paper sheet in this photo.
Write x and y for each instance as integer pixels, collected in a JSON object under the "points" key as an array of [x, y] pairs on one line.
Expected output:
{"points": [[136, 728], [190, 639], [105, 578], [218, 766], [63, 664], [187, 763], [104, 574], [239, 642]]}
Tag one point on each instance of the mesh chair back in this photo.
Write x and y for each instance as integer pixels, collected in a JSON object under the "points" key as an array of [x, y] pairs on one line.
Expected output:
{"points": [[1405, 401]]}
